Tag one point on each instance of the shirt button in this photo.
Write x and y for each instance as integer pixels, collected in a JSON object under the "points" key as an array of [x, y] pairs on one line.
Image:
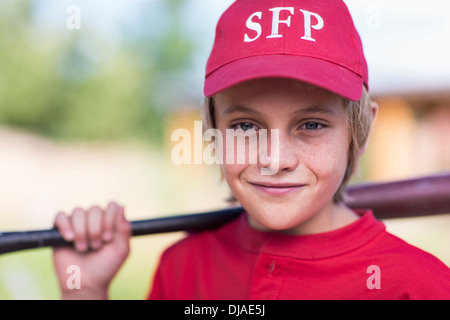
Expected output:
{"points": [[272, 266]]}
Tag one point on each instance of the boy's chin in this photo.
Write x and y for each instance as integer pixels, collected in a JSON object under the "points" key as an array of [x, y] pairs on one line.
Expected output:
{"points": [[277, 222]]}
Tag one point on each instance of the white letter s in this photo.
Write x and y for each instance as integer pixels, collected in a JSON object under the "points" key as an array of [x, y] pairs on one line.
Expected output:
{"points": [[255, 26]]}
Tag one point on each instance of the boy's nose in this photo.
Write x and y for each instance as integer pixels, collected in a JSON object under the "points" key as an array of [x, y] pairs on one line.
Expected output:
{"points": [[281, 155]]}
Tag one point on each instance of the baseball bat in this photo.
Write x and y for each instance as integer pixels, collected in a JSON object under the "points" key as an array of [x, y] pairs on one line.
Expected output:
{"points": [[399, 199]]}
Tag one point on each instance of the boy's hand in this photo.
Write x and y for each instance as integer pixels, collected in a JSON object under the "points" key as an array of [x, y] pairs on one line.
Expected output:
{"points": [[101, 244]]}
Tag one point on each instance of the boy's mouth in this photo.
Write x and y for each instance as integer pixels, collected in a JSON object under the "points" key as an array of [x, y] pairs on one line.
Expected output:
{"points": [[276, 189]]}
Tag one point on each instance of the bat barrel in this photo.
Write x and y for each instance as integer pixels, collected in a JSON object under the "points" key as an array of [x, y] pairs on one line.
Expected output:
{"points": [[405, 198]]}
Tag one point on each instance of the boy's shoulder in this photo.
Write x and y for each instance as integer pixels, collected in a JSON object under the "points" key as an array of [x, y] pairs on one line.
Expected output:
{"points": [[403, 266], [407, 254], [203, 242]]}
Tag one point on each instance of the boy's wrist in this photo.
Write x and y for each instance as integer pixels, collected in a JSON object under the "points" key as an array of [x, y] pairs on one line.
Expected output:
{"points": [[85, 294]]}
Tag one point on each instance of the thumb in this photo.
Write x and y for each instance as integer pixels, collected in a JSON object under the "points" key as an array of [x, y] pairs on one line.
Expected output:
{"points": [[123, 231]]}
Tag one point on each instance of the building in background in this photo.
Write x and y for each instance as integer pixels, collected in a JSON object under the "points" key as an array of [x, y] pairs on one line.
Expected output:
{"points": [[411, 136]]}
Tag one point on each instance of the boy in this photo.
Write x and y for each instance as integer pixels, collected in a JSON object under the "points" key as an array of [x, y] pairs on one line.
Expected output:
{"points": [[295, 68]]}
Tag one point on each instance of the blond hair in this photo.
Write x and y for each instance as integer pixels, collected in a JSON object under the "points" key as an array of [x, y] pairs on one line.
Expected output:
{"points": [[360, 118]]}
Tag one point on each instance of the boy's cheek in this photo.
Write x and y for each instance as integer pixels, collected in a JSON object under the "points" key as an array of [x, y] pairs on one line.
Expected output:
{"points": [[331, 167], [232, 172]]}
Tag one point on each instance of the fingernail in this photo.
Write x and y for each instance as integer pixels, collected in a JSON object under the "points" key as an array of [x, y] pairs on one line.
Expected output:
{"points": [[69, 235], [81, 246], [107, 236], [95, 244]]}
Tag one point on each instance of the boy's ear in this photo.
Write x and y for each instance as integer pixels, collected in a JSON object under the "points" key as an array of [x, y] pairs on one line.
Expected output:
{"points": [[374, 110]]}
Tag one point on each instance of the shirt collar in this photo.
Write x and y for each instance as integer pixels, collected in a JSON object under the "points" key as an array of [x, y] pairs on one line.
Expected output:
{"points": [[313, 246]]}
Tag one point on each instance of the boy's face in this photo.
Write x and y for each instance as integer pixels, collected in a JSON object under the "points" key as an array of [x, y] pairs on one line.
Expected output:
{"points": [[313, 152]]}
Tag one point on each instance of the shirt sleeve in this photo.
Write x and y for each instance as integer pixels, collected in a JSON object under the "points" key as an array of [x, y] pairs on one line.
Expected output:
{"points": [[170, 280], [157, 288]]}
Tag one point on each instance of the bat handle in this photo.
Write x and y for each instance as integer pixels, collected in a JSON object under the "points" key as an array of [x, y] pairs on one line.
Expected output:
{"points": [[14, 241]]}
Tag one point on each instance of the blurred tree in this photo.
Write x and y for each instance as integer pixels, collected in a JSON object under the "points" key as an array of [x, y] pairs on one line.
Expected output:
{"points": [[83, 86], [24, 69]]}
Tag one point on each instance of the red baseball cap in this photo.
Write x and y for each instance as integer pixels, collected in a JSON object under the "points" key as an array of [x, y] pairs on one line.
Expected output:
{"points": [[307, 40]]}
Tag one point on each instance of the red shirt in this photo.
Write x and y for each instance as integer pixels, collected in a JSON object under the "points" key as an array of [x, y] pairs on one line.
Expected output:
{"points": [[358, 261]]}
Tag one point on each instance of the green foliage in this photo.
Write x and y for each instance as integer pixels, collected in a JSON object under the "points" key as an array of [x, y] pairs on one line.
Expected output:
{"points": [[78, 85]]}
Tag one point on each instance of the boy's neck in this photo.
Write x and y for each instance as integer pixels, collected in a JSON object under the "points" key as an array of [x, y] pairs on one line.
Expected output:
{"points": [[331, 217]]}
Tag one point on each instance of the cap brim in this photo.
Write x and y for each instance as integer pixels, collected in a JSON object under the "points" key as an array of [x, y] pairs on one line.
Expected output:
{"points": [[321, 73]]}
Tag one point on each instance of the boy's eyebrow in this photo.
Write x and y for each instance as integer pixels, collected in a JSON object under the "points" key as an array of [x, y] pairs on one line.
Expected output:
{"points": [[315, 109], [239, 109], [318, 109]]}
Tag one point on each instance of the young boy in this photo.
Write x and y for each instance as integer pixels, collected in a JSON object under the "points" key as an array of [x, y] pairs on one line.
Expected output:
{"points": [[295, 68]]}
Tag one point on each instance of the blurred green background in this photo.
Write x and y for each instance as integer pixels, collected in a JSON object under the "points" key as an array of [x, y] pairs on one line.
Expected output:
{"points": [[86, 116], [78, 84]]}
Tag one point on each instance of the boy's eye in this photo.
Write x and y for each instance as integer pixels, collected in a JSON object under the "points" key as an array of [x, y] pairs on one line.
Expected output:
{"points": [[244, 126], [312, 126]]}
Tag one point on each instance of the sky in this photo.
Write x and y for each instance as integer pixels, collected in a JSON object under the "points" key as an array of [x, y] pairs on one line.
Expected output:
{"points": [[406, 42]]}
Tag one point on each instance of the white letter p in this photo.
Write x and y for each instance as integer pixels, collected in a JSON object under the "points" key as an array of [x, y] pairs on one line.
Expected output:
{"points": [[308, 25]]}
